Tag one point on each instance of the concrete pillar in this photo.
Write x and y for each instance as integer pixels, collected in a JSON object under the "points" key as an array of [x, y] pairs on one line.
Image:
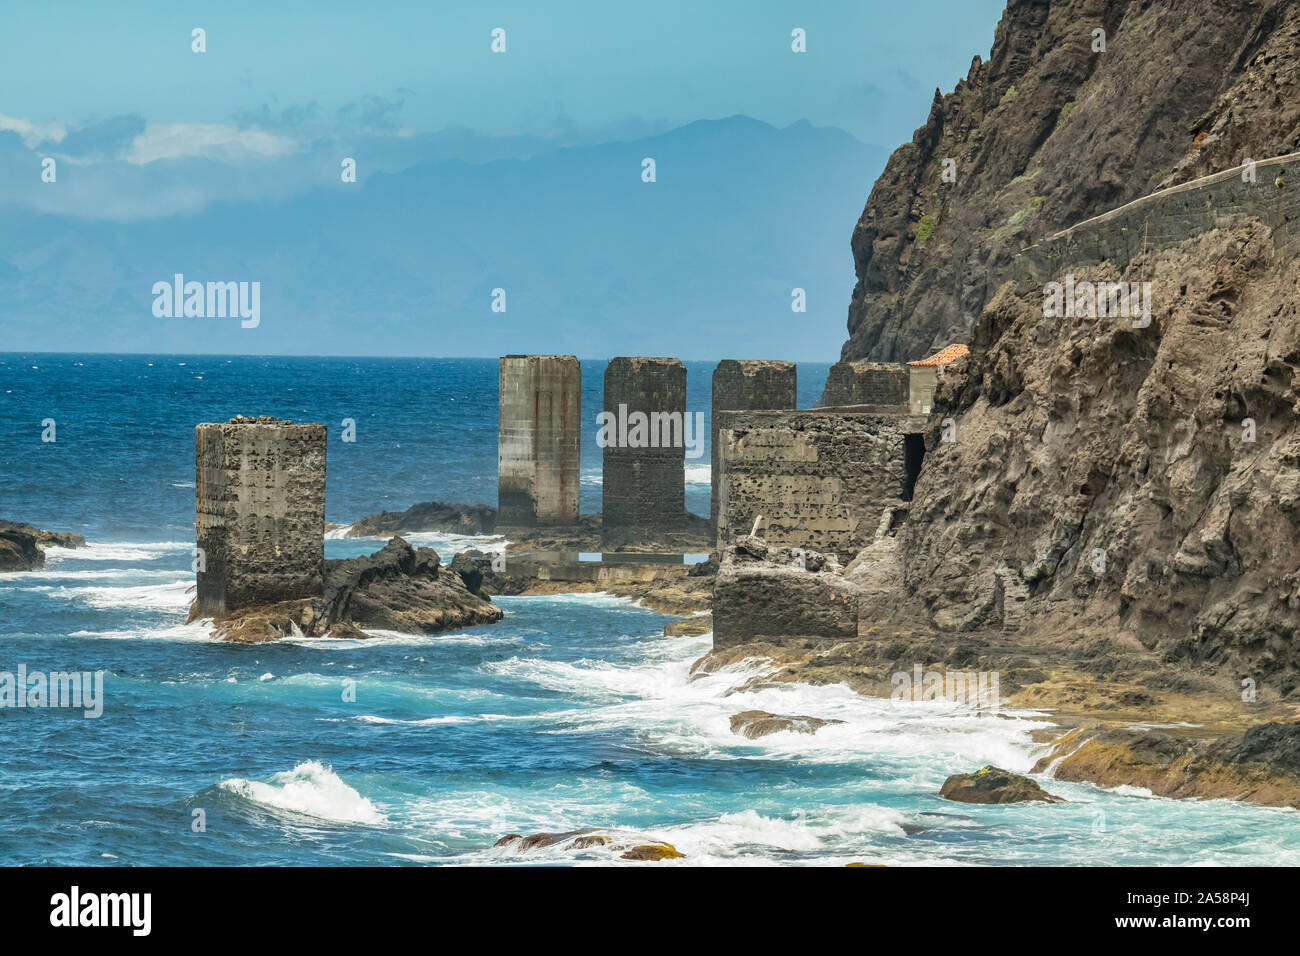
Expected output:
{"points": [[538, 440], [259, 512], [644, 487], [741, 385], [865, 383]]}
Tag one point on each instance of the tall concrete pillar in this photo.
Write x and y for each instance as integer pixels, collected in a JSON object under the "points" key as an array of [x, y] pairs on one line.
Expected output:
{"points": [[539, 436], [743, 385], [644, 482], [259, 512]]}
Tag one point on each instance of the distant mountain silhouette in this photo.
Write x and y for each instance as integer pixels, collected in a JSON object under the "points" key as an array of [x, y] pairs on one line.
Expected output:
{"points": [[593, 260]]}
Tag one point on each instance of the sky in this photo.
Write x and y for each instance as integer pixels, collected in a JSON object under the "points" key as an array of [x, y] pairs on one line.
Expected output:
{"points": [[145, 129]]}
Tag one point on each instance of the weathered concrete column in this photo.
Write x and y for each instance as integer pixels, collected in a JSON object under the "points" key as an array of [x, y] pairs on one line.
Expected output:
{"points": [[644, 482], [539, 437], [741, 385], [259, 512], [865, 383]]}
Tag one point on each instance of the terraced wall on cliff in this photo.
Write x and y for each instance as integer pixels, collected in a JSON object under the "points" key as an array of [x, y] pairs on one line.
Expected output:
{"points": [[1174, 215]]}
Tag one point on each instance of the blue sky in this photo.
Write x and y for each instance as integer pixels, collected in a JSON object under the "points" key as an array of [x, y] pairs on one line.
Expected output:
{"points": [[144, 129]]}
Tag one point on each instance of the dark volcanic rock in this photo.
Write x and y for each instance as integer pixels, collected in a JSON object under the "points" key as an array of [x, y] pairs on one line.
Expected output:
{"points": [[21, 545], [398, 588], [476, 570], [1042, 137], [428, 516], [994, 785]]}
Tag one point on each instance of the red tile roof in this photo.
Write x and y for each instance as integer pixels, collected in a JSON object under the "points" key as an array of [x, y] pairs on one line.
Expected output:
{"points": [[946, 357]]}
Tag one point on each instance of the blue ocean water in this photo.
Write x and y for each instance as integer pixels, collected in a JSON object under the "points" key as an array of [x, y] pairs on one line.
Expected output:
{"points": [[574, 711]]}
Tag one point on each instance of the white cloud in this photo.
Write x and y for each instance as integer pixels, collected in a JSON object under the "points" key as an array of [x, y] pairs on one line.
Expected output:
{"points": [[208, 141], [33, 133]]}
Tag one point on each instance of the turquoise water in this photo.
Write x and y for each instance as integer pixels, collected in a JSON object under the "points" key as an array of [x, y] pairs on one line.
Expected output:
{"points": [[574, 711]]}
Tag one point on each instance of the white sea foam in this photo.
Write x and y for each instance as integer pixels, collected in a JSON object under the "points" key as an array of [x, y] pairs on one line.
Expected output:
{"points": [[173, 595], [58, 573], [311, 788], [194, 631], [119, 551], [699, 474], [696, 474]]}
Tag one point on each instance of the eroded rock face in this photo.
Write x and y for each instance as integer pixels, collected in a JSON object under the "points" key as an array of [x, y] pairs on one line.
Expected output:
{"points": [[1137, 483], [994, 785], [21, 545], [398, 588], [1042, 136], [775, 593], [759, 723]]}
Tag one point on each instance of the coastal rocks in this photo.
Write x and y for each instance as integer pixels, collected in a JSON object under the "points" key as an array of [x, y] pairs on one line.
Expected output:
{"points": [[759, 723], [694, 626], [763, 593], [590, 838], [401, 588], [21, 545], [428, 516], [475, 570], [653, 851], [1143, 480], [398, 588], [994, 785], [1261, 765]]}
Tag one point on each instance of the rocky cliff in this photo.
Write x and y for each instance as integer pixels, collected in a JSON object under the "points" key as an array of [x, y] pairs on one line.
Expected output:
{"points": [[1109, 480], [1053, 129]]}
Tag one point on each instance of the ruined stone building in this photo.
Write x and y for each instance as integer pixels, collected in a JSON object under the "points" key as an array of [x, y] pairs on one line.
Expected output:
{"points": [[924, 375]]}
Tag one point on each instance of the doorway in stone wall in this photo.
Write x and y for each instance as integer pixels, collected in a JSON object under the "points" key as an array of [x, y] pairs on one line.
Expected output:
{"points": [[913, 453]]}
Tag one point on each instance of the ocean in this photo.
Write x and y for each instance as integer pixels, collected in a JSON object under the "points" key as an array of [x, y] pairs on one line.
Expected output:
{"points": [[574, 711]]}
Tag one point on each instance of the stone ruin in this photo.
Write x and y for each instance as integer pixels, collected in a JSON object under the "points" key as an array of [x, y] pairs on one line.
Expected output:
{"points": [[259, 512], [539, 437]]}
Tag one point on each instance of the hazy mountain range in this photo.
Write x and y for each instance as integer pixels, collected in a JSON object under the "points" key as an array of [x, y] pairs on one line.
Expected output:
{"points": [[700, 263]]}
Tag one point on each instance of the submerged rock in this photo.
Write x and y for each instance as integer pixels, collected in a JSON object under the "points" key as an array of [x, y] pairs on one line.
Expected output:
{"points": [[398, 588], [589, 838], [22, 545], [994, 785], [759, 723]]}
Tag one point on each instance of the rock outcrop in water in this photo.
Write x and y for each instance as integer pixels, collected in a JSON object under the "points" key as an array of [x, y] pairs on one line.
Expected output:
{"points": [[398, 588], [1052, 130], [428, 516], [22, 545], [994, 785]]}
